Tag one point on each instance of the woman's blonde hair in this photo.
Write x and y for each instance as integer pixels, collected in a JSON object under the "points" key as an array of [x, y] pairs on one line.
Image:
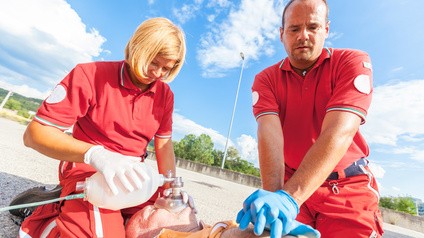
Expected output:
{"points": [[156, 37]]}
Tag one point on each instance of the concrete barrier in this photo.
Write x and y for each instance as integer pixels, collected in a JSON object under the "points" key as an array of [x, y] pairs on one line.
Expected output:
{"points": [[225, 174], [404, 220]]}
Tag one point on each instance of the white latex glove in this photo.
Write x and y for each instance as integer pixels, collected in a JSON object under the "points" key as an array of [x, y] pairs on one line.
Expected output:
{"points": [[112, 164], [187, 199]]}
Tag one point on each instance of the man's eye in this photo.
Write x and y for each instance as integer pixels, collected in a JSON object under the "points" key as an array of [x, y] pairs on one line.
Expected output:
{"points": [[313, 28]]}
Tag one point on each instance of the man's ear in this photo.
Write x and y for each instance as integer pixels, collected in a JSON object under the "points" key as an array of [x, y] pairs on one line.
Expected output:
{"points": [[327, 29], [281, 34]]}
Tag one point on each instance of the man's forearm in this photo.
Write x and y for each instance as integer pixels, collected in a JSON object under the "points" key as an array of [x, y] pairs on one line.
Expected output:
{"points": [[271, 155], [337, 135]]}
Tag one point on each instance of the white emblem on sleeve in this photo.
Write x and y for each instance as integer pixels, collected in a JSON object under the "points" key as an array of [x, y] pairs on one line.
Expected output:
{"points": [[255, 97], [367, 65], [363, 83], [58, 94]]}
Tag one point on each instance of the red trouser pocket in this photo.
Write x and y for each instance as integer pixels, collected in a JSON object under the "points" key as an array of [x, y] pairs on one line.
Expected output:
{"points": [[345, 208]]}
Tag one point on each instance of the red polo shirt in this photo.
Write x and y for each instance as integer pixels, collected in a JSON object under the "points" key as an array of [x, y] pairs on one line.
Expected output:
{"points": [[108, 109], [340, 80]]}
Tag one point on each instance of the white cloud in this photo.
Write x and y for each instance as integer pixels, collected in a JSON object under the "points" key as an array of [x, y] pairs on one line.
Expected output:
{"points": [[418, 155], [332, 36], [396, 118], [377, 170], [403, 150], [219, 3], [183, 126], [41, 41], [250, 29], [187, 12], [248, 148], [246, 144], [218, 7], [393, 164], [24, 90], [398, 69]]}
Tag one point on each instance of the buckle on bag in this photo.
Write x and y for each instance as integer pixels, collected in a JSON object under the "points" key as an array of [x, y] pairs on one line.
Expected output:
{"points": [[352, 170]]}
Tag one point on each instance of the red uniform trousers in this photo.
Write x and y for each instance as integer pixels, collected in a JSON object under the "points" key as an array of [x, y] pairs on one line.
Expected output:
{"points": [[347, 207], [77, 218]]}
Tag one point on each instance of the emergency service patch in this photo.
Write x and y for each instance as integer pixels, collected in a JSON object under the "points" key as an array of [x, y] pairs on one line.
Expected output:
{"points": [[363, 83], [255, 97], [58, 94], [367, 65]]}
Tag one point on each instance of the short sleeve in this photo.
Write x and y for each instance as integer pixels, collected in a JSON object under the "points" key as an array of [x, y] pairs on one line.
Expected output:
{"points": [[264, 92], [353, 85], [68, 101]]}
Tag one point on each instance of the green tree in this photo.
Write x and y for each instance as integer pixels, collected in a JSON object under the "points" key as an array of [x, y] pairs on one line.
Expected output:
{"points": [[182, 147], [194, 148], [217, 157], [387, 202], [232, 153], [401, 204], [242, 166], [406, 204], [20, 103], [13, 104], [235, 163], [200, 149]]}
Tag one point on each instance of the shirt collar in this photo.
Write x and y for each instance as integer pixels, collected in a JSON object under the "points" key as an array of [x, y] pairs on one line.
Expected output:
{"points": [[125, 80], [325, 54]]}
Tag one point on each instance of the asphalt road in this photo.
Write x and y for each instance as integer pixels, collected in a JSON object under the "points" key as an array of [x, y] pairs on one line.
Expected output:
{"points": [[22, 168]]}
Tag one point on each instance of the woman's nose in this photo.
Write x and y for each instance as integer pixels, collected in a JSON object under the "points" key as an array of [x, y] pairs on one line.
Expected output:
{"points": [[159, 72]]}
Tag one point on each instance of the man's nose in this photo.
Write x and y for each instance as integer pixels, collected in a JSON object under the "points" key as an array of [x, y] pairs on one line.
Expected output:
{"points": [[303, 34]]}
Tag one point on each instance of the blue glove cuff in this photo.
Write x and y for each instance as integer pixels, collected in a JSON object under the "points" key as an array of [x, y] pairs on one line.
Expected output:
{"points": [[290, 198]]}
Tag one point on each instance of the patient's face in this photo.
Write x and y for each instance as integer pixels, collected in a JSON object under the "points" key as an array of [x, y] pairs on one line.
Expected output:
{"points": [[149, 221]]}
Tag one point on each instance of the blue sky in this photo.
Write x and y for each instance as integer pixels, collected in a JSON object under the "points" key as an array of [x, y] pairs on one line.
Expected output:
{"points": [[40, 41]]}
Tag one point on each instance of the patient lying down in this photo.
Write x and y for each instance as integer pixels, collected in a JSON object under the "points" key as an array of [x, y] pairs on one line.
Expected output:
{"points": [[151, 222]]}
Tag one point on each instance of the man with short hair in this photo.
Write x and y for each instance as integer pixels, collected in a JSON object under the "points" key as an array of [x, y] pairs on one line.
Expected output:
{"points": [[312, 157]]}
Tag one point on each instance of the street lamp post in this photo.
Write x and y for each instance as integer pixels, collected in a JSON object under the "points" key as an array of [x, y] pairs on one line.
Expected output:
{"points": [[234, 109], [5, 100]]}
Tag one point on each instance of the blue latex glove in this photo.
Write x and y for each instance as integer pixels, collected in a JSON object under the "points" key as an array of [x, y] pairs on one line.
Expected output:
{"points": [[302, 229], [275, 211]]}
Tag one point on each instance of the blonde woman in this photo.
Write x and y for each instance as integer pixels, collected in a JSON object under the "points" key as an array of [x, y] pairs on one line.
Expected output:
{"points": [[115, 109]]}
